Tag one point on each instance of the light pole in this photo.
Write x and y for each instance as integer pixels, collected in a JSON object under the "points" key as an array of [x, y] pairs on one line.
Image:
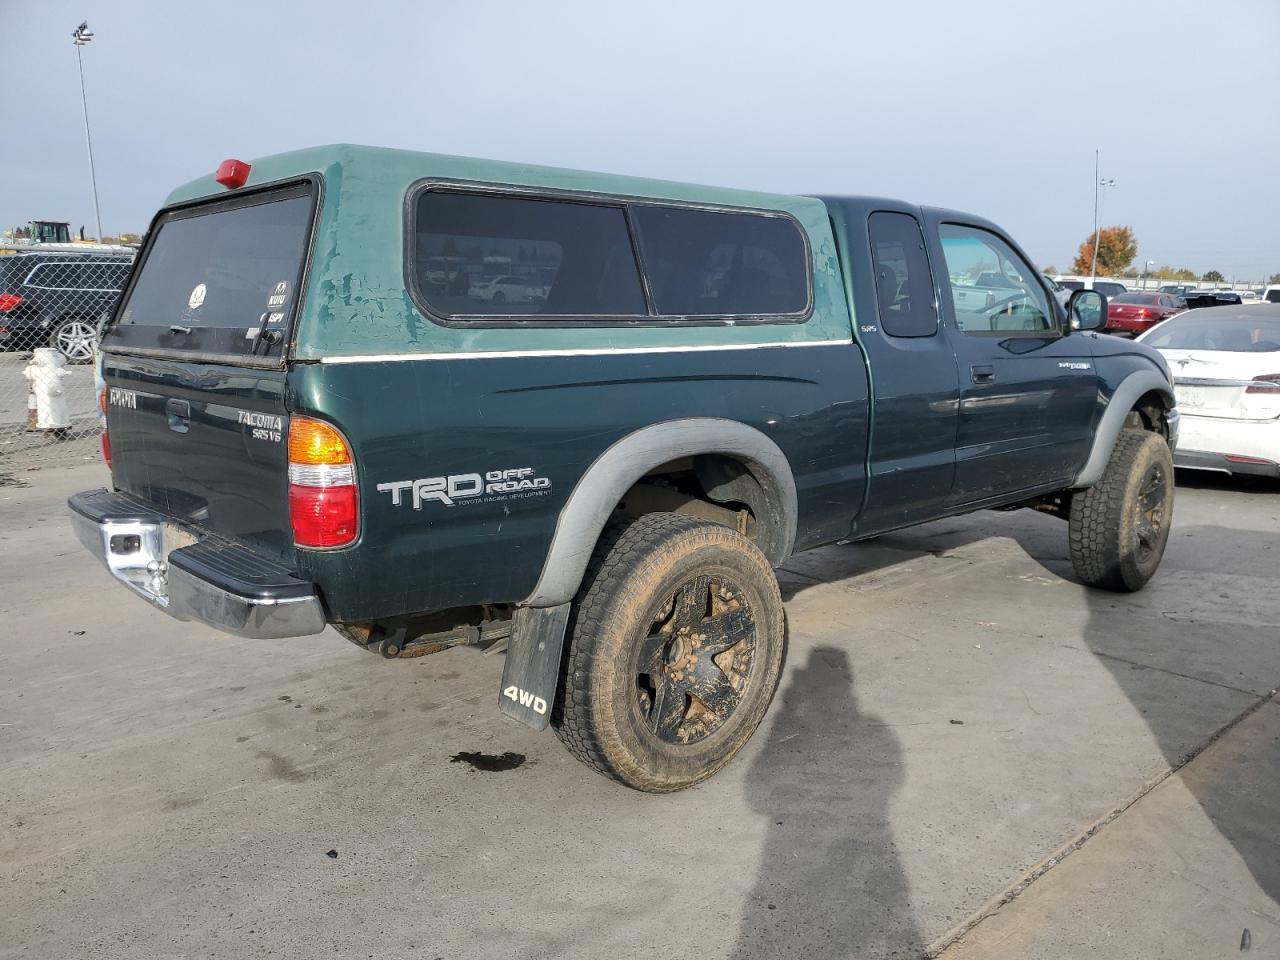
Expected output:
{"points": [[1093, 266], [1146, 270], [81, 36]]}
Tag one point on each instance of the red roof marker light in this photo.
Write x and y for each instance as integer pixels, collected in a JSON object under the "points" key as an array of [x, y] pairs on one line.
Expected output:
{"points": [[232, 174]]}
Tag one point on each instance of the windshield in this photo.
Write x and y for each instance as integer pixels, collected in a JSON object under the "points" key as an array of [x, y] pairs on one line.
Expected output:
{"points": [[220, 277], [1252, 333], [1144, 298]]}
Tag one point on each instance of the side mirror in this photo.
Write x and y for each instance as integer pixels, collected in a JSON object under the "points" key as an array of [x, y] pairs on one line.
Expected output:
{"points": [[1087, 310]]}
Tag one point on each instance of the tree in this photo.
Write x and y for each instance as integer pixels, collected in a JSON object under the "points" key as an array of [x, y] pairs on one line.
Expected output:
{"points": [[1117, 247], [1213, 276], [1173, 273], [1054, 271], [1275, 278]]}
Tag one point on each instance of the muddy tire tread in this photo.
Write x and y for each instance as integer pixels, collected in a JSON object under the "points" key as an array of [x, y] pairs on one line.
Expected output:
{"points": [[1098, 512], [621, 550]]}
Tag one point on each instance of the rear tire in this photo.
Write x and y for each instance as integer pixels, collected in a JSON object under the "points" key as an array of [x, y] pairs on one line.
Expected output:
{"points": [[675, 647], [1120, 526], [74, 338]]}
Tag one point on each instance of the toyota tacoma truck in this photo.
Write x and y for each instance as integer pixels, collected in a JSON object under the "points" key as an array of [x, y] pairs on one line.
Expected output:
{"points": [[315, 417]]}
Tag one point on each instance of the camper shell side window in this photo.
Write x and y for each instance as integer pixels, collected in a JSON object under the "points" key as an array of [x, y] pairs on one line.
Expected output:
{"points": [[502, 256]]}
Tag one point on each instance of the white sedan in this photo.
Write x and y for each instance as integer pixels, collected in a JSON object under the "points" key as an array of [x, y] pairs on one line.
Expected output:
{"points": [[1226, 375], [499, 290]]}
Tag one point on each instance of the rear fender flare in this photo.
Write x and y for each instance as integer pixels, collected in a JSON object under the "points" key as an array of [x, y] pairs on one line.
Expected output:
{"points": [[616, 470], [1131, 389]]}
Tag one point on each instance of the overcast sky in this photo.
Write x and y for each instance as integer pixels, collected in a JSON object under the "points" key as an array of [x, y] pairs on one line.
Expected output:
{"points": [[991, 107]]}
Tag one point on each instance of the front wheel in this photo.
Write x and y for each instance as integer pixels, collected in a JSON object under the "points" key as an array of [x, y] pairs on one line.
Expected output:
{"points": [[1119, 527], [675, 649]]}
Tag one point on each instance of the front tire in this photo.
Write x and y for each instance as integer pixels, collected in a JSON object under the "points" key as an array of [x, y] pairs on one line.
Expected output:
{"points": [[1120, 526], [675, 647]]}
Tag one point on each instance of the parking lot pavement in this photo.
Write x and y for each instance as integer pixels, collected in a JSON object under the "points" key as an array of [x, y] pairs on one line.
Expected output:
{"points": [[1192, 870], [955, 714]]}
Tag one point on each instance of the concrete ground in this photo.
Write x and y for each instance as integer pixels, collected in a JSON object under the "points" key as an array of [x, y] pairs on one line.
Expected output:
{"points": [[968, 752]]}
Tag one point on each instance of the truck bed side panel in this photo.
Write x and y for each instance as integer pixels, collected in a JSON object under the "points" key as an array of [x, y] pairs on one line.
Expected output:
{"points": [[551, 415]]}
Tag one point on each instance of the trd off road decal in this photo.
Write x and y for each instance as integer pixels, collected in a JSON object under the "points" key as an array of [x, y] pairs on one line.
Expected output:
{"points": [[514, 483]]}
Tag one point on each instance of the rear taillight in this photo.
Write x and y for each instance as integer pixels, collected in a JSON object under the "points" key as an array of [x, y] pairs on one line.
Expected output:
{"points": [[324, 503], [102, 423], [9, 301], [1266, 383]]}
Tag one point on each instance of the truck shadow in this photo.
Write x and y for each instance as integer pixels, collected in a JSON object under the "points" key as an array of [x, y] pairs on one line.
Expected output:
{"points": [[829, 881], [1213, 642], [1161, 646]]}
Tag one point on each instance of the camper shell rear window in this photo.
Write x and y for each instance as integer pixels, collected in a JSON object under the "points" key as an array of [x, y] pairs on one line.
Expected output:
{"points": [[494, 256], [220, 279]]}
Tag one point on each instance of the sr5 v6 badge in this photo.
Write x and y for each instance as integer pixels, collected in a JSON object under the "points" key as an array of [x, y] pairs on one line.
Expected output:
{"points": [[468, 487]]}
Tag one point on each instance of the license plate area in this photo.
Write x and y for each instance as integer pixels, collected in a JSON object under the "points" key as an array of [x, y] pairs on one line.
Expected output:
{"points": [[137, 555], [1190, 396]]}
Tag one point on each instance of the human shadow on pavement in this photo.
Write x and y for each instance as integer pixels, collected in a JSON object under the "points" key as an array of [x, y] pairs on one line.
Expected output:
{"points": [[829, 881]]}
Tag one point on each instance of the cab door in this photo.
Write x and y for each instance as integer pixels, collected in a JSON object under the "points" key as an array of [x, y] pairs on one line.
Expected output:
{"points": [[1028, 388], [915, 387]]}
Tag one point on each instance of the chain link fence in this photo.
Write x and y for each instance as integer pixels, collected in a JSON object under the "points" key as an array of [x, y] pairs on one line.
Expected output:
{"points": [[52, 300]]}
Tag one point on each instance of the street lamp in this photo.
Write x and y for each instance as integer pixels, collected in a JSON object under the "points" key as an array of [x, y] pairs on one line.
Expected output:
{"points": [[81, 36], [1145, 271], [1097, 182]]}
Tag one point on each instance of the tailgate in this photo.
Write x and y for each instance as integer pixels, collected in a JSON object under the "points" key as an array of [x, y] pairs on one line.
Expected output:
{"points": [[194, 363], [204, 443]]}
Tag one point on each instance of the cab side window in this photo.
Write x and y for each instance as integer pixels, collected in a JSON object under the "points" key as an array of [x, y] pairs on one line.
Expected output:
{"points": [[993, 289], [904, 284]]}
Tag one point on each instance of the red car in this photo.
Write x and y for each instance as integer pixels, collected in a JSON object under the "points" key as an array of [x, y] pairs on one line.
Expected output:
{"points": [[1137, 312]]}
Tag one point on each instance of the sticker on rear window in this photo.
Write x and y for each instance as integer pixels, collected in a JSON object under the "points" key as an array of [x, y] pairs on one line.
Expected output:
{"points": [[279, 296], [197, 296]]}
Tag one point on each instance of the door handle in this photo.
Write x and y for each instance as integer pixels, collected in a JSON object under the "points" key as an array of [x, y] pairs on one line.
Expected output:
{"points": [[179, 414], [983, 373]]}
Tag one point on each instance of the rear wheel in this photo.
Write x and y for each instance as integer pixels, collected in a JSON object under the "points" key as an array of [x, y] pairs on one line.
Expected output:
{"points": [[1119, 527], [74, 339], [675, 648]]}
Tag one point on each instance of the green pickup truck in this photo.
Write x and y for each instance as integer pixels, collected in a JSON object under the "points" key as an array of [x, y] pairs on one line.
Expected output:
{"points": [[319, 412]]}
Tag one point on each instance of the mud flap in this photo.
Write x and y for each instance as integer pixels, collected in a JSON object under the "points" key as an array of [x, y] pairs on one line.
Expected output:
{"points": [[532, 671]]}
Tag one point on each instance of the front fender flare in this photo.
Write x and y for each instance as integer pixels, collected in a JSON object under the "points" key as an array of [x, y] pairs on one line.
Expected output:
{"points": [[616, 470], [1131, 388]]}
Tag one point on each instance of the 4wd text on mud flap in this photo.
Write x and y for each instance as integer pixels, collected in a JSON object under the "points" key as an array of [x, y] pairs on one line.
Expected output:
{"points": [[496, 484], [526, 699]]}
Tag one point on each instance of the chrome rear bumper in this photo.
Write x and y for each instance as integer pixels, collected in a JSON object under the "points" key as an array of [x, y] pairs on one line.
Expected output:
{"points": [[223, 585]]}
